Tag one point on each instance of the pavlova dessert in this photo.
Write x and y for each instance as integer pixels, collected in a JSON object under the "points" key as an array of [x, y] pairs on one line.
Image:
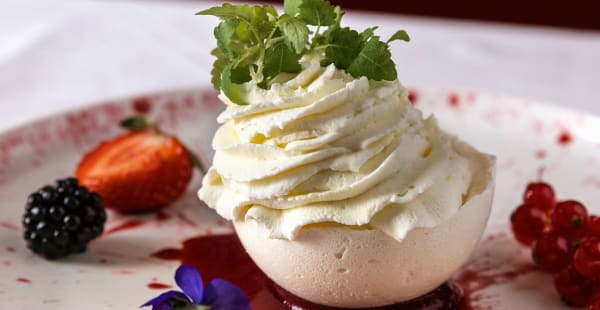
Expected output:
{"points": [[338, 188]]}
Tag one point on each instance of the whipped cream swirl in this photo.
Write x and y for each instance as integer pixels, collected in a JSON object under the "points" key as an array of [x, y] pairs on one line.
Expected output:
{"points": [[329, 149]]}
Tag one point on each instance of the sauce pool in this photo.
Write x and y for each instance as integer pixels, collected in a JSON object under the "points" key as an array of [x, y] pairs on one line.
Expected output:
{"points": [[222, 256]]}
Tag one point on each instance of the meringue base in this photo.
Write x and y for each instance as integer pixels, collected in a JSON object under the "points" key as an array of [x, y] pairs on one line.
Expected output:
{"points": [[358, 267]]}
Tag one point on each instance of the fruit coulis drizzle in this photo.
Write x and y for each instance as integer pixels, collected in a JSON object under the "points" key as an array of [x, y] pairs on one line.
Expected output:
{"points": [[222, 256], [158, 286]]}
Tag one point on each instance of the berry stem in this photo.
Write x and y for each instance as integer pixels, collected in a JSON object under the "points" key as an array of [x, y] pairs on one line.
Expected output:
{"points": [[138, 123], [195, 160]]}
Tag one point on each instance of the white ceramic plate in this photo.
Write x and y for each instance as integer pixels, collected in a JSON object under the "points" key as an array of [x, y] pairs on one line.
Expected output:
{"points": [[116, 270]]}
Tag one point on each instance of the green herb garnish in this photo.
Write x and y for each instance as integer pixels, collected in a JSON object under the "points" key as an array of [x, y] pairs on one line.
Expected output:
{"points": [[256, 43], [406, 191]]}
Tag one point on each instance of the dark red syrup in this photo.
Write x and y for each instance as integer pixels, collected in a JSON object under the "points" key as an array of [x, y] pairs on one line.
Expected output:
{"points": [[128, 225], [158, 286], [447, 296], [219, 256], [564, 138], [222, 256], [161, 216]]}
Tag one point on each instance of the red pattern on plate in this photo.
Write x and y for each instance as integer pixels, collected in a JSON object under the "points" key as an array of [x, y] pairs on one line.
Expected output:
{"points": [[141, 105], [540, 154], [127, 225], [453, 100], [564, 138]]}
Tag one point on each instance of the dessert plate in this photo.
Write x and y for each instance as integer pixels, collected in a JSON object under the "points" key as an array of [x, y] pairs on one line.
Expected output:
{"points": [[129, 264]]}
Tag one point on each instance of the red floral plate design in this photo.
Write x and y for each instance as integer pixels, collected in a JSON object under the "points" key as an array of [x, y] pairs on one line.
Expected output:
{"points": [[122, 269]]}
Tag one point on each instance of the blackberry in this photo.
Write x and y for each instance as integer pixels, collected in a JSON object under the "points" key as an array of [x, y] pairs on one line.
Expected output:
{"points": [[62, 219]]}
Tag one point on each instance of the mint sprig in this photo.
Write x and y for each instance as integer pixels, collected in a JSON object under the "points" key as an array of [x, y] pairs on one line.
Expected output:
{"points": [[256, 43], [295, 32]]}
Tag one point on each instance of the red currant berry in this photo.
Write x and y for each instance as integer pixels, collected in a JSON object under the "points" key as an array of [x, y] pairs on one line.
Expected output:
{"points": [[540, 194], [595, 303], [529, 223], [587, 258], [570, 218], [551, 252], [573, 288], [593, 226]]}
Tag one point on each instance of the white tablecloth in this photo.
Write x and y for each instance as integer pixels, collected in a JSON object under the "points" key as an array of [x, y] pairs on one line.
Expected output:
{"points": [[58, 55]]}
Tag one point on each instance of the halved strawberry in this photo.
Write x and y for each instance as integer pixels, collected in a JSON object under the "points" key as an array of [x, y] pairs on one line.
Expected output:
{"points": [[137, 171]]}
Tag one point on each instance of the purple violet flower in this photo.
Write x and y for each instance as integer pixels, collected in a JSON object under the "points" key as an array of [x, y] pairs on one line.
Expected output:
{"points": [[217, 295]]}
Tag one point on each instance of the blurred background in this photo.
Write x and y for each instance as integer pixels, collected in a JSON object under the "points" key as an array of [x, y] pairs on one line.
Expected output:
{"points": [[582, 14], [57, 55]]}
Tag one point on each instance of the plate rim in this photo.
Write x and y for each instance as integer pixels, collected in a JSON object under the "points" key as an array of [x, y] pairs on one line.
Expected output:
{"points": [[94, 104]]}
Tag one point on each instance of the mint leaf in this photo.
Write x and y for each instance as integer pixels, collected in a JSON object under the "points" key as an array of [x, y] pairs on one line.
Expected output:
{"points": [[237, 75], [229, 11], [290, 7], [367, 33], [294, 31], [231, 90], [344, 46], [219, 64], [374, 61], [399, 35], [247, 58], [260, 19], [224, 33], [244, 32], [271, 11], [317, 12], [240, 75], [280, 58], [320, 40], [338, 16], [263, 20]]}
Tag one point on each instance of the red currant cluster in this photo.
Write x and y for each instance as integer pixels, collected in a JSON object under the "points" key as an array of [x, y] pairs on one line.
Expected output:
{"points": [[565, 241]]}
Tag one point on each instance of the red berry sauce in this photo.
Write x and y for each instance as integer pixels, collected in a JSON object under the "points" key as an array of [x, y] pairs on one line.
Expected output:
{"points": [[447, 296], [222, 256], [158, 286], [128, 225], [413, 96], [564, 138]]}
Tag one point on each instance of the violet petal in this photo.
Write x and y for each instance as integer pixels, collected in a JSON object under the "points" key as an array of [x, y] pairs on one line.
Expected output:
{"points": [[162, 306], [163, 298], [190, 281], [222, 295]]}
